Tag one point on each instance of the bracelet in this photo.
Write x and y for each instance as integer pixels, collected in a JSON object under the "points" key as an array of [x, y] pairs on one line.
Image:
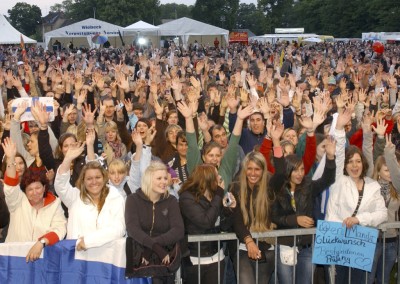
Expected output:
{"points": [[11, 164]]}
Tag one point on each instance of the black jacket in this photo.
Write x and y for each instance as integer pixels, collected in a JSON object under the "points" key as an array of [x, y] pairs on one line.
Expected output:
{"points": [[149, 223], [201, 218], [283, 214], [4, 213]]}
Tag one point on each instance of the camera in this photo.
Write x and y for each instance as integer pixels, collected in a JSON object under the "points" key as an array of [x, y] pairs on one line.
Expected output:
{"points": [[228, 199]]}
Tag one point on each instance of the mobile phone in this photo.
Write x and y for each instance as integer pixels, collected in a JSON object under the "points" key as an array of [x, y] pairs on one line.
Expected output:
{"points": [[382, 90], [228, 199], [120, 106]]}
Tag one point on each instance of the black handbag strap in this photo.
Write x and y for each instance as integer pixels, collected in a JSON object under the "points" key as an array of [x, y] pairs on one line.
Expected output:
{"points": [[360, 196]]}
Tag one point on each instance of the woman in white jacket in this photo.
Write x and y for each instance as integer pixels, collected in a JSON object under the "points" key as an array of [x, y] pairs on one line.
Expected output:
{"points": [[354, 199], [96, 210], [35, 213]]}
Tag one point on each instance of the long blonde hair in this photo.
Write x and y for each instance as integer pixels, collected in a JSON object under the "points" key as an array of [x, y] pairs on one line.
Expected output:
{"points": [[84, 195], [380, 161], [260, 215]]}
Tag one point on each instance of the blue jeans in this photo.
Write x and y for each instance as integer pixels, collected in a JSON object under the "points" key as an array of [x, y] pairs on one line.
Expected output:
{"points": [[342, 275], [390, 258], [303, 268], [248, 268]]}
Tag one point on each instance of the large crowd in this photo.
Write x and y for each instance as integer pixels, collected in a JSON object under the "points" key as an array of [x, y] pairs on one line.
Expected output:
{"points": [[155, 144]]}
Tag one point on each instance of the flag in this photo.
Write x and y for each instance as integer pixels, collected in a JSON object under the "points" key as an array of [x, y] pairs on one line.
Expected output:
{"points": [[120, 36], [282, 57], [61, 264]]}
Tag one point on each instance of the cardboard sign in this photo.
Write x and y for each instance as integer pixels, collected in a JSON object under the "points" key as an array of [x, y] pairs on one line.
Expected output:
{"points": [[27, 116], [335, 244]]}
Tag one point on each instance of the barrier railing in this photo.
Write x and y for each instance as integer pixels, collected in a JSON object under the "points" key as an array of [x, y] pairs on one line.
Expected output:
{"points": [[275, 234]]}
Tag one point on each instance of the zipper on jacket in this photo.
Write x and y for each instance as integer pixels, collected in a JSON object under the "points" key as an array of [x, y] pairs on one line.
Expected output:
{"points": [[152, 224]]}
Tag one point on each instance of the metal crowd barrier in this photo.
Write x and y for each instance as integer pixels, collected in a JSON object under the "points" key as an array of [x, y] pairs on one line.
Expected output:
{"points": [[284, 233]]}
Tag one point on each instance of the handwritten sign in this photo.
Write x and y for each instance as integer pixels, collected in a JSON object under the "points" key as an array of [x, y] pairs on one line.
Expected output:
{"points": [[27, 116], [335, 244]]}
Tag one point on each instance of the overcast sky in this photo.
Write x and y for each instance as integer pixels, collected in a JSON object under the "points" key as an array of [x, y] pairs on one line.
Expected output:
{"points": [[46, 4]]}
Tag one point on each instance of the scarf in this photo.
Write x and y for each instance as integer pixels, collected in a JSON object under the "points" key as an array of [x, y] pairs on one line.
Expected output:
{"points": [[385, 191], [117, 148]]}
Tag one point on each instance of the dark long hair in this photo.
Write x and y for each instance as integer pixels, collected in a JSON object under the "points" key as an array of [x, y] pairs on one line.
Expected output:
{"points": [[203, 177]]}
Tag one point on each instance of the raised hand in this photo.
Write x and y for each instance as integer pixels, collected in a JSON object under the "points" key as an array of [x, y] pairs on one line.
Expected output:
{"points": [[276, 130], [90, 136], [330, 147], [158, 109], [307, 123], [74, 150], [10, 148], [264, 106], [243, 113], [128, 105], [380, 127], [318, 118], [88, 115], [151, 133], [136, 138], [252, 80], [366, 123], [389, 143], [343, 118], [184, 109], [20, 110], [203, 122], [40, 114]]}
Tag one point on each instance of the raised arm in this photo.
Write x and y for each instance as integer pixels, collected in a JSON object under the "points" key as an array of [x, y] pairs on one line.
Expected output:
{"points": [[340, 137], [367, 143], [13, 193], [392, 163]]}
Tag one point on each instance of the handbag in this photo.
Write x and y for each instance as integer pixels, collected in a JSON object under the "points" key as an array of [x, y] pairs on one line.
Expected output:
{"points": [[288, 255], [155, 268]]}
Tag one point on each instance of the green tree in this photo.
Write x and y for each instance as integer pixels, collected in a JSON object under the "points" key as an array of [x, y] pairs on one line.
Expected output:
{"points": [[249, 17], [25, 18], [384, 15], [221, 13], [278, 13], [172, 11], [64, 6], [118, 12]]}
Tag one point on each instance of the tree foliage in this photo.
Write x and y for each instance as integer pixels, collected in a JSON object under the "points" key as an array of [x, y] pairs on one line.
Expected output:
{"points": [[175, 11], [249, 17], [221, 13], [118, 12], [340, 18], [25, 18]]}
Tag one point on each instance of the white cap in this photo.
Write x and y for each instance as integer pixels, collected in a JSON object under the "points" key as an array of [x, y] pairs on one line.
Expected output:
{"points": [[20, 63]]}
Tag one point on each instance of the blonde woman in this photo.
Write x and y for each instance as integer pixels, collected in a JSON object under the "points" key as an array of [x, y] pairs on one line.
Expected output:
{"points": [[253, 214], [113, 146], [154, 225], [96, 210]]}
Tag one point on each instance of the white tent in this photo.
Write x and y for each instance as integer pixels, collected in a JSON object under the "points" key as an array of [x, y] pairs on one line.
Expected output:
{"points": [[185, 27], [141, 27], [84, 29], [9, 35], [312, 39]]}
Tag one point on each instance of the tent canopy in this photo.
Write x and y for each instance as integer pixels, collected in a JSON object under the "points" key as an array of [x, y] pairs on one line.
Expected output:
{"points": [[185, 27], [141, 27], [9, 35], [86, 28]]}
